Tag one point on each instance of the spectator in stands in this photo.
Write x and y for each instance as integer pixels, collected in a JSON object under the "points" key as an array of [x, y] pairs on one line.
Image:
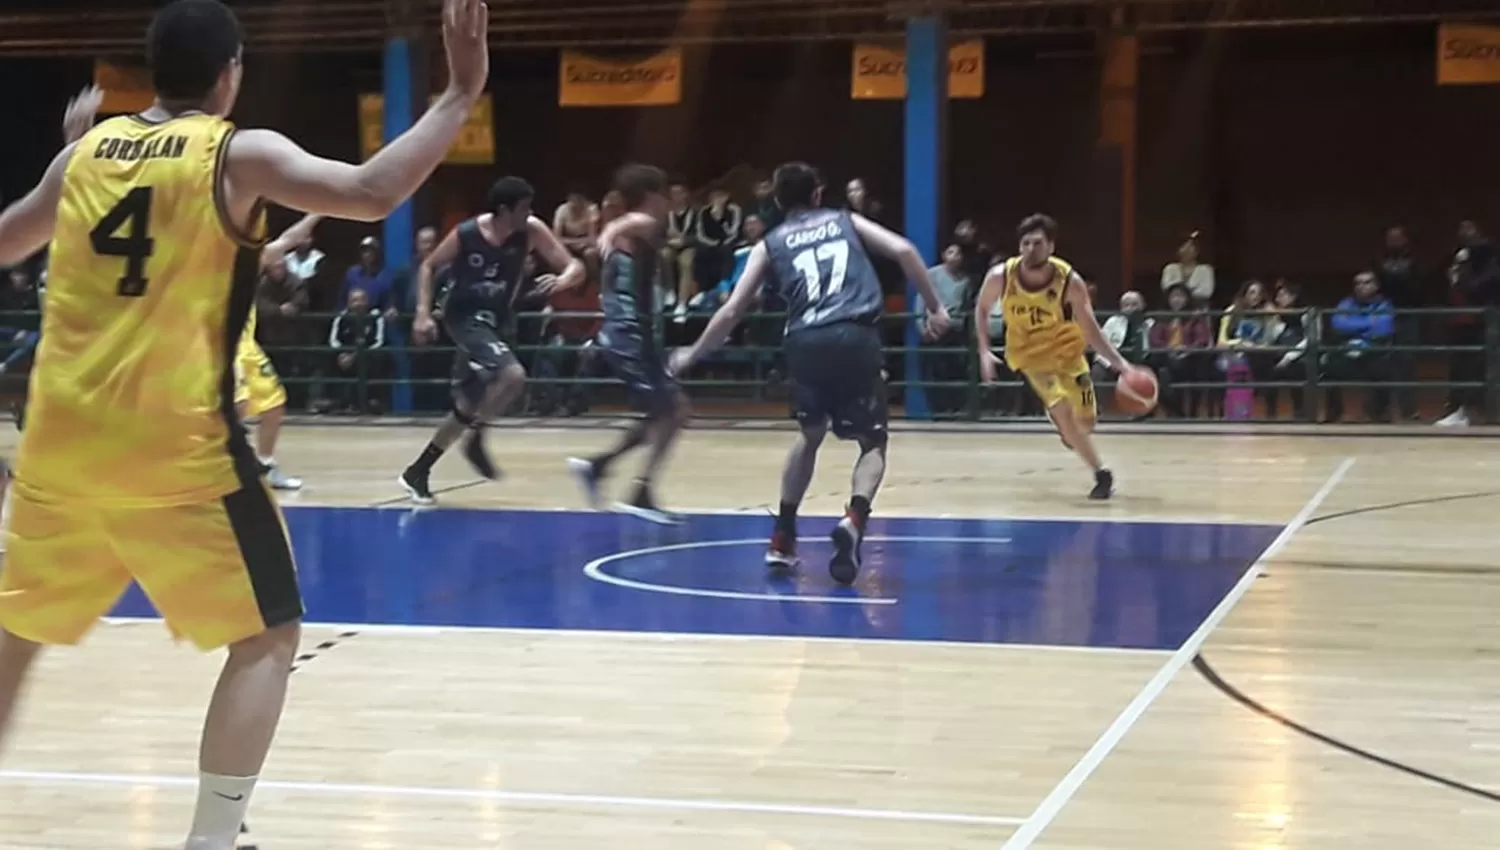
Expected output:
{"points": [[20, 323], [355, 332], [978, 257], [406, 279], [1180, 346], [953, 283], [280, 300], [1474, 278], [1128, 331], [576, 224], [1188, 271], [1401, 282], [1288, 331], [371, 275], [305, 261], [858, 199], [1243, 340], [764, 206], [717, 236], [1361, 325], [611, 207], [677, 256]]}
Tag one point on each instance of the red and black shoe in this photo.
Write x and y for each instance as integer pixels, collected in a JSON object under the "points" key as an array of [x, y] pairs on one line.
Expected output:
{"points": [[782, 553]]}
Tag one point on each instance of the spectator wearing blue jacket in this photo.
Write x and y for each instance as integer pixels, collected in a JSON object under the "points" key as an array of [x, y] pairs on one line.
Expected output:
{"points": [[1363, 326]]}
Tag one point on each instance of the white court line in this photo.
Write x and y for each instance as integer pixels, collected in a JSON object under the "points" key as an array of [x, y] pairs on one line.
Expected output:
{"points": [[597, 801], [681, 637], [595, 570], [767, 511], [1054, 802]]}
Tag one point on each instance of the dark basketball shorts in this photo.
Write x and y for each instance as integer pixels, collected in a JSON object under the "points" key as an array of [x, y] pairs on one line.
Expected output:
{"points": [[836, 377], [635, 361], [481, 356]]}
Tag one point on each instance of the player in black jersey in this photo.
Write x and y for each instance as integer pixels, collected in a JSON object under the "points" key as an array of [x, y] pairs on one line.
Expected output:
{"points": [[819, 262], [630, 247], [485, 256]]}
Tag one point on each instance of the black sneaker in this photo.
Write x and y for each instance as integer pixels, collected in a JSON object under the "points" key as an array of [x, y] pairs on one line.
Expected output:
{"points": [[644, 506], [846, 538], [1104, 485], [414, 482], [477, 457]]}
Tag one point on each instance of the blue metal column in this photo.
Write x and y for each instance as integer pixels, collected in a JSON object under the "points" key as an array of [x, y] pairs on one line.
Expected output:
{"points": [[926, 153], [399, 231]]}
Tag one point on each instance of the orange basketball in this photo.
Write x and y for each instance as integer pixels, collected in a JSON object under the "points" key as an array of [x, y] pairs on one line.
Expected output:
{"points": [[1136, 393]]}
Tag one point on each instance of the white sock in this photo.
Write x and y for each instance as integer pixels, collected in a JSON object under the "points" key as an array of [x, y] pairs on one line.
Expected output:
{"points": [[267, 461], [222, 801]]}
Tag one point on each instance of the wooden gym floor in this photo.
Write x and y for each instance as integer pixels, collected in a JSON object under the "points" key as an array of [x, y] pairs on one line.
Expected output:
{"points": [[1263, 642]]}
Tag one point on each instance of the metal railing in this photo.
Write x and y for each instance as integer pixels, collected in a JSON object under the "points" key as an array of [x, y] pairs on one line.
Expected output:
{"points": [[1433, 356]]}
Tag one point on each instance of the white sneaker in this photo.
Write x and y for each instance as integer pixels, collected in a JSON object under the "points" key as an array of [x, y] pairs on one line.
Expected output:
{"points": [[1457, 419], [281, 481]]}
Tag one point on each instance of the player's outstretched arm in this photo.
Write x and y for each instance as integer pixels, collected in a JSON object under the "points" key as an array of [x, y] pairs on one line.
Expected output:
{"points": [[266, 164], [1077, 296], [446, 252], [728, 317], [900, 249], [989, 293], [26, 226], [547, 246]]}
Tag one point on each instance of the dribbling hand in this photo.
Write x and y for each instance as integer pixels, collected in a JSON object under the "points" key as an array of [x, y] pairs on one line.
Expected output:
{"points": [[680, 361], [938, 324], [989, 367], [466, 37], [423, 328]]}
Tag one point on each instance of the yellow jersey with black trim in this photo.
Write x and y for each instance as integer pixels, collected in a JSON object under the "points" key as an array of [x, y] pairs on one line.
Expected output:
{"points": [[1040, 333], [149, 288]]}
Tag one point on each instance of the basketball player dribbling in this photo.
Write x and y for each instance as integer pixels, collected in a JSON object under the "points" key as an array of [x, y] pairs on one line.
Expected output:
{"points": [[258, 391], [485, 257], [1049, 319], [133, 465], [631, 249], [819, 262]]}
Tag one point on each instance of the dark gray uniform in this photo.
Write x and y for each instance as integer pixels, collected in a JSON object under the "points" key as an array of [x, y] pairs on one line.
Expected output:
{"points": [[834, 301], [627, 295], [484, 281]]}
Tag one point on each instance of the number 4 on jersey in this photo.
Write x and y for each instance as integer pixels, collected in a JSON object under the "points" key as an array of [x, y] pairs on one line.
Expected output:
{"points": [[132, 212]]}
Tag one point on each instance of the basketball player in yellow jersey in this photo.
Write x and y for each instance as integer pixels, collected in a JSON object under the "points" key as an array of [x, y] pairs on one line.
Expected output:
{"points": [[258, 392], [1049, 321], [133, 464]]}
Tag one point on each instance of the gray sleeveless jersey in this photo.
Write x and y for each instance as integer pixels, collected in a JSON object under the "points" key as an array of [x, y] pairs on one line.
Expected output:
{"points": [[485, 277], [822, 272]]}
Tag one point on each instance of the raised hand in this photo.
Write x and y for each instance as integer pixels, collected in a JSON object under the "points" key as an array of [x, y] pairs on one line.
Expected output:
{"points": [[80, 114], [466, 37]]}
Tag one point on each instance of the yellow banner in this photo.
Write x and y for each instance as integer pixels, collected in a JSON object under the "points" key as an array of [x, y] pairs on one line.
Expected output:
{"points": [[1468, 54], [125, 89], [585, 80], [475, 144], [880, 71]]}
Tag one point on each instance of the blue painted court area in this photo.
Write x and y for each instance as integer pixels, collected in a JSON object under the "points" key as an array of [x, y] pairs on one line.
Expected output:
{"points": [[1098, 584]]}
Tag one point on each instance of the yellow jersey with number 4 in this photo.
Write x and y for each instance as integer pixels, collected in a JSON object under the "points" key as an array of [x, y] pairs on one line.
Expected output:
{"points": [[1040, 333], [149, 288]]}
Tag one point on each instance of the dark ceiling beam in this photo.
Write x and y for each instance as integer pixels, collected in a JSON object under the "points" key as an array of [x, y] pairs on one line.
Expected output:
{"points": [[341, 25]]}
